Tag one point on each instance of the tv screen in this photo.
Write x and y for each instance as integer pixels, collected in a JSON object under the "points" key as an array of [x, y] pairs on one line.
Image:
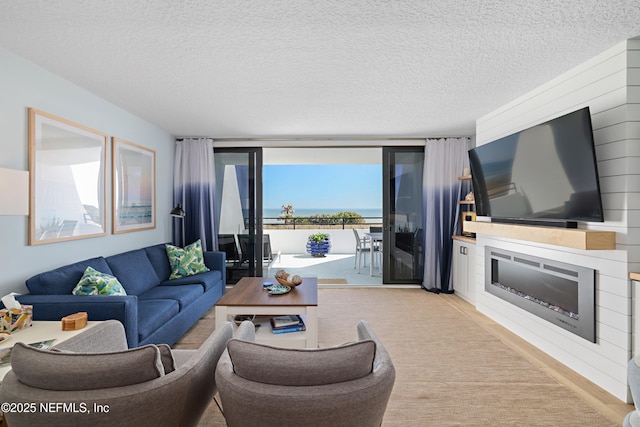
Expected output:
{"points": [[545, 173]]}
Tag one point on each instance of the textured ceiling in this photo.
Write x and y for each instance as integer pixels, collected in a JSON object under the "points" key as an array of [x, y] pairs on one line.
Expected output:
{"points": [[313, 68]]}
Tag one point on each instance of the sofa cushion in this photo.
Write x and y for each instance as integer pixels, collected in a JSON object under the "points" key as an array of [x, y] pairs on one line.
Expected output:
{"points": [[152, 314], [299, 367], [62, 280], [134, 270], [166, 357], [207, 280], [187, 261], [96, 283], [53, 370], [184, 294], [158, 256]]}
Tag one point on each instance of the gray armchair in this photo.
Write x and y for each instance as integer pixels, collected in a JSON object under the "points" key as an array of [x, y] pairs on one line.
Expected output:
{"points": [[347, 385], [633, 378], [93, 379]]}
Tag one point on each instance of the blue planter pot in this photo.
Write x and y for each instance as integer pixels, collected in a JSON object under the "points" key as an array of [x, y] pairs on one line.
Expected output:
{"points": [[318, 248]]}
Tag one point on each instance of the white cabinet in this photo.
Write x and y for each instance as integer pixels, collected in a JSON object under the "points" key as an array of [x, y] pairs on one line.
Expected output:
{"points": [[464, 269]]}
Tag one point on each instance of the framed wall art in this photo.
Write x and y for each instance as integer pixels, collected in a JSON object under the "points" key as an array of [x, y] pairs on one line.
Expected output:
{"points": [[134, 186], [66, 180]]}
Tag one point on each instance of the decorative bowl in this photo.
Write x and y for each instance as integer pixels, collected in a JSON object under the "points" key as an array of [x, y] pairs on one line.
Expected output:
{"points": [[286, 283], [279, 289]]}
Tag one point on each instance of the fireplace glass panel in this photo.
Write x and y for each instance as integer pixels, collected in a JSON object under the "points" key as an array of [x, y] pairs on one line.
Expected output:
{"points": [[561, 293], [547, 289]]}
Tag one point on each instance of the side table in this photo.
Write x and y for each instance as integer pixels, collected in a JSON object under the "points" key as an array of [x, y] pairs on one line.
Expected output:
{"points": [[40, 331]]}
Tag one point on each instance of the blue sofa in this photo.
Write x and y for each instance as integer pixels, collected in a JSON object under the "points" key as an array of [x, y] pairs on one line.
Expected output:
{"points": [[155, 310]]}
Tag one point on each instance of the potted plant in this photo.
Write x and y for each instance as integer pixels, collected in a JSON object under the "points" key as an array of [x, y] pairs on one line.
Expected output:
{"points": [[318, 244]]}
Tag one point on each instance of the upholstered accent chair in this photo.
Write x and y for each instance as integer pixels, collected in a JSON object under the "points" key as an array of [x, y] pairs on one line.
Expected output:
{"points": [[347, 385], [93, 379], [633, 378]]}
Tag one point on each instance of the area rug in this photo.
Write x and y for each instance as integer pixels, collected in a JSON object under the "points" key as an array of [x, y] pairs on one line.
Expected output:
{"points": [[450, 371], [332, 281]]}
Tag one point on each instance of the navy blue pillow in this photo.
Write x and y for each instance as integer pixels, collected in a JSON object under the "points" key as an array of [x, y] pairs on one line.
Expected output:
{"points": [[158, 256], [134, 271]]}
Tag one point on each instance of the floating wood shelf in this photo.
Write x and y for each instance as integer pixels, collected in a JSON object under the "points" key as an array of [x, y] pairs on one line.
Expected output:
{"points": [[568, 237], [465, 239]]}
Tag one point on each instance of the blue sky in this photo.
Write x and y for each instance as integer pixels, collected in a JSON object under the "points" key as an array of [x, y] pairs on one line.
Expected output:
{"points": [[322, 186]]}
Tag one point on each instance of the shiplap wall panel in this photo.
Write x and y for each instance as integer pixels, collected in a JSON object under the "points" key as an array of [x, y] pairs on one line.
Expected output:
{"points": [[606, 368], [608, 372], [618, 149], [633, 201], [615, 183], [633, 154], [604, 79], [619, 166], [618, 337], [602, 83]]}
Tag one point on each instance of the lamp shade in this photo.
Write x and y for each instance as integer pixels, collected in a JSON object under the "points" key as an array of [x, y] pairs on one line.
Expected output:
{"points": [[177, 211], [14, 192]]}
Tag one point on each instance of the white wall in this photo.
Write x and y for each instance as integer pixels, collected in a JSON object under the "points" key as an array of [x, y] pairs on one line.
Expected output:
{"points": [[295, 241], [23, 85], [608, 84]]}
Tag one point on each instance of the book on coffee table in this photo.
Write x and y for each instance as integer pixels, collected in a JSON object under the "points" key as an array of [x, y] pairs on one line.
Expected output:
{"points": [[289, 320], [284, 324]]}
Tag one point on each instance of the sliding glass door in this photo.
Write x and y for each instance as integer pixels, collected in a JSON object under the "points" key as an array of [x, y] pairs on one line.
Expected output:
{"points": [[403, 254], [239, 210]]}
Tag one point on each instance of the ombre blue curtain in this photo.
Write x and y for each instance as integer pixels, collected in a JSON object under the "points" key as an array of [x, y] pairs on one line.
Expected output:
{"points": [[194, 188], [444, 161]]}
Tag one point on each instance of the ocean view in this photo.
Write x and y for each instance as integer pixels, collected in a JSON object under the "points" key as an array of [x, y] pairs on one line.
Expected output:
{"points": [[369, 214]]}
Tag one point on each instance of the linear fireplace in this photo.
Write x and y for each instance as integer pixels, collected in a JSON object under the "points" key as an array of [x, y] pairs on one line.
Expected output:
{"points": [[560, 293]]}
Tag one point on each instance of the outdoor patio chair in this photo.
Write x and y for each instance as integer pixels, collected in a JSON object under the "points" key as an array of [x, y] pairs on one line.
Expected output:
{"points": [[227, 244], [363, 249], [376, 229], [247, 249], [267, 252]]}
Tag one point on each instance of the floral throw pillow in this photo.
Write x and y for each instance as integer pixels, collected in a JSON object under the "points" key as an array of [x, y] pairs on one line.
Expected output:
{"points": [[187, 261], [94, 282]]}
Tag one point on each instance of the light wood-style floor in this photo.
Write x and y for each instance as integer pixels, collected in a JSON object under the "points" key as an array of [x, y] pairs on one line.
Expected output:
{"points": [[600, 399], [454, 365]]}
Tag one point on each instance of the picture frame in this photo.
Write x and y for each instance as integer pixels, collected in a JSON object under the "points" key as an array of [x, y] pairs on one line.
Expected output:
{"points": [[466, 216], [67, 186], [133, 186]]}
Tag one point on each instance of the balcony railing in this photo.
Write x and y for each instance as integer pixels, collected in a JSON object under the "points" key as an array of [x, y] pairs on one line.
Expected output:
{"points": [[309, 222]]}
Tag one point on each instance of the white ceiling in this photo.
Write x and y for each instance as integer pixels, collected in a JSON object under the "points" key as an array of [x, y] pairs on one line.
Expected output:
{"points": [[313, 68]]}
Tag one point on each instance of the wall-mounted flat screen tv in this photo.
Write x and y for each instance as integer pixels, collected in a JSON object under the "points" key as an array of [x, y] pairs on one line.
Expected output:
{"points": [[546, 174]]}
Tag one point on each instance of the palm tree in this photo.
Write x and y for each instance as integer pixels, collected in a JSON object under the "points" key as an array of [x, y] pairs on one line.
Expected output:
{"points": [[287, 213]]}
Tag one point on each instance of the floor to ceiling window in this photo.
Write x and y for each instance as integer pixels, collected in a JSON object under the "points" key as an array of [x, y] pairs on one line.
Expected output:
{"points": [[403, 215], [270, 202], [239, 210]]}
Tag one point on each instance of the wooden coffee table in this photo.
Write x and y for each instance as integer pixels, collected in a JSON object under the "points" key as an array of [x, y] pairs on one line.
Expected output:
{"points": [[248, 296]]}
